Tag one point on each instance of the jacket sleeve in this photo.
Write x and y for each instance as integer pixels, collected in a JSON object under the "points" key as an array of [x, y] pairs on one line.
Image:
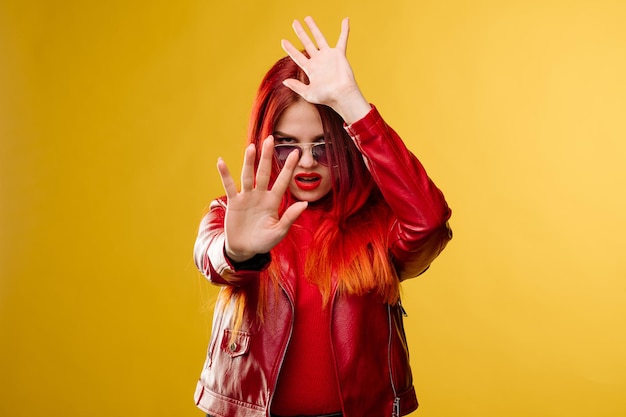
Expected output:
{"points": [[209, 253], [420, 229]]}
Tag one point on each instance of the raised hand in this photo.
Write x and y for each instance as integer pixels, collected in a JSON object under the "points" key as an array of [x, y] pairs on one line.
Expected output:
{"points": [[252, 225], [331, 80]]}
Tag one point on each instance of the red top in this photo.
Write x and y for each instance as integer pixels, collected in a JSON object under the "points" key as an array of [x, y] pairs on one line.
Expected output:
{"points": [[307, 383]]}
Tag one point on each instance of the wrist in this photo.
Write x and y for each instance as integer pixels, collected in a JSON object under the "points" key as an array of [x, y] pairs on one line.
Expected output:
{"points": [[352, 106], [257, 262], [235, 256]]}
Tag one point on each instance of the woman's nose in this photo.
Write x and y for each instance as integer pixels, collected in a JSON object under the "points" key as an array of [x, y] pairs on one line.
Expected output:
{"points": [[307, 160]]}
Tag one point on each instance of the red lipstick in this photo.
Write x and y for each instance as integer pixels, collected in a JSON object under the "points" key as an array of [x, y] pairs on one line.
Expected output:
{"points": [[308, 181]]}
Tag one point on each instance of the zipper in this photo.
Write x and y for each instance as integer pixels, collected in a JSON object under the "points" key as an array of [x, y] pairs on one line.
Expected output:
{"points": [[395, 411], [396, 407], [404, 313], [282, 359], [216, 326], [334, 296]]}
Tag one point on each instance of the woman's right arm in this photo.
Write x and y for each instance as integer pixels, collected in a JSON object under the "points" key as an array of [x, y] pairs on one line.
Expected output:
{"points": [[239, 230]]}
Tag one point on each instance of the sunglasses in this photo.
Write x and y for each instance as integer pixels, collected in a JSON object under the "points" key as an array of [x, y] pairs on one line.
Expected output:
{"points": [[318, 151]]}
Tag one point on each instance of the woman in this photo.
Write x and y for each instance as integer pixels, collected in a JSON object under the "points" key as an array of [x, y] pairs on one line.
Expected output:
{"points": [[332, 214]]}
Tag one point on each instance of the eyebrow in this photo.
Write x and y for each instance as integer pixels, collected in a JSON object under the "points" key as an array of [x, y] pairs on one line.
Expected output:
{"points": [[282, 135]]}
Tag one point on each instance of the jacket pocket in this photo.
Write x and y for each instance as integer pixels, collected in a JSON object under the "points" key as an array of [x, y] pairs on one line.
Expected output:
{"points": [[235, 343]]}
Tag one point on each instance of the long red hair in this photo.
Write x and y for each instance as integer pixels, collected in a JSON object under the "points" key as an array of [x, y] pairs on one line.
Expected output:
{"points": [[350, 244]]}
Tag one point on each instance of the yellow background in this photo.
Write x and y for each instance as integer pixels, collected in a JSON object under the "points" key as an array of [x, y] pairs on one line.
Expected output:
{"points": [[113, 114]]}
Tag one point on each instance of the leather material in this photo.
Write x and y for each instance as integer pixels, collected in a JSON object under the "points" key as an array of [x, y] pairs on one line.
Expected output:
{"points": [[421, 230], [240, 372]]}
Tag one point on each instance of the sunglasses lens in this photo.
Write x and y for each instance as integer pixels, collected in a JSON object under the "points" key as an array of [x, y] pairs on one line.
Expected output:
{"points": [[283, 151], [320, 154]]}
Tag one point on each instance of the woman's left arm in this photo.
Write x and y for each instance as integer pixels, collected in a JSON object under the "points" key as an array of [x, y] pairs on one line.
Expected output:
{"points": [[420, 230]]}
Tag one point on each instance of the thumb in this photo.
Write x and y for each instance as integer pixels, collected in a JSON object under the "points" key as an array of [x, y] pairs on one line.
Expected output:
{"points": [[292, 213]]}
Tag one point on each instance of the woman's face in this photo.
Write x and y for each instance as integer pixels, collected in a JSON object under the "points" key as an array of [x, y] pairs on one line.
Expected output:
{"points": [[300, 124]]}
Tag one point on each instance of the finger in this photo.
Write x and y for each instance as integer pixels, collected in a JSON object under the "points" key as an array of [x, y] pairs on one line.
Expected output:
{"points": [[284, 177], [265, 164], [247, 172], [296, 86], [342, 42], [308, 44], [227, 180], [292, 213], [298, 57], [316, 32]]}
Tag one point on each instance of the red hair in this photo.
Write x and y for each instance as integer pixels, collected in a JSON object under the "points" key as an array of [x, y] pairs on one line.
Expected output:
{"points": [[351, 242]]}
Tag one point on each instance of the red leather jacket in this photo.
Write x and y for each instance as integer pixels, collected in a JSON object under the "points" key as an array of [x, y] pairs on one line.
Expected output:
{"points": [[367, 337]]}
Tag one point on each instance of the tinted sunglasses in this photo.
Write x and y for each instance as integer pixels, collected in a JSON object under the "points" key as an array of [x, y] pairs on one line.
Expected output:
{"points": [[318, 151]]}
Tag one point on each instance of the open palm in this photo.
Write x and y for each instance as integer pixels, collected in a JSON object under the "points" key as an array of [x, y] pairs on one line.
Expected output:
{"points": [[252, 224], [331, 80]]}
